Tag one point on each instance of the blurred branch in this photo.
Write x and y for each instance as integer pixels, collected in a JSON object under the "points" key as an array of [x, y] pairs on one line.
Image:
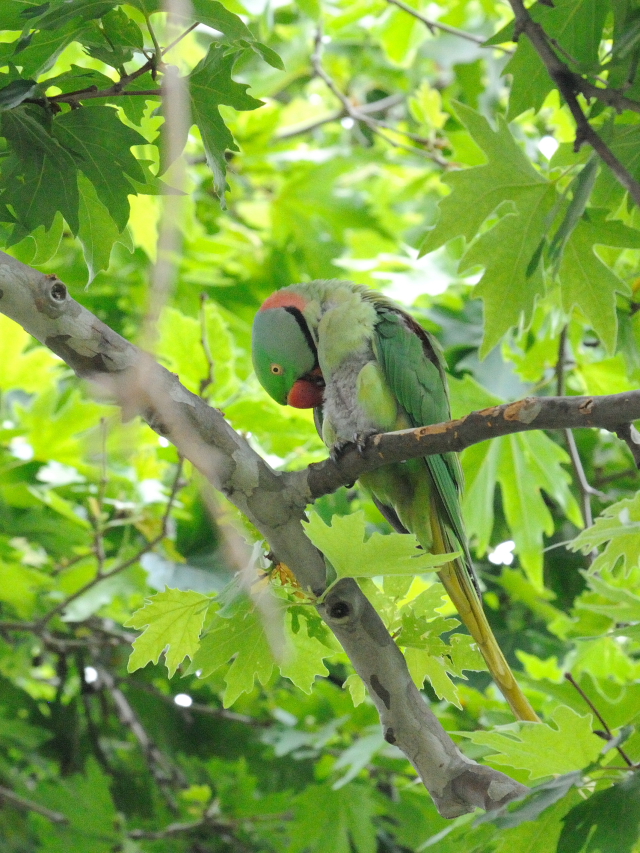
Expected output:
{"points": [[25, 805], [101, 575], [306, 127], [167, 776], [211, 822], [608, 734], [433, 26], [374, 125], [569, 85], [196, 707]]}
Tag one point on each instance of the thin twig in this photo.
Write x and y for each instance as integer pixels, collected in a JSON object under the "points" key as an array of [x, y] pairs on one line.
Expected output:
{"points": [[167, 776], [609, 96], [94, 92], [306, 127], [569, 84], [179, 38], [224, 829], [611, 478], [603, 722], [197, 707], [208, 380], [25, 805], [117, 89], [586, 490], [44, 620], [432, 26], [357, 115]]}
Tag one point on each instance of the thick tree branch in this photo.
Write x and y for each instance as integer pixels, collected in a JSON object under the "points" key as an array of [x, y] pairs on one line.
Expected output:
{"points": [[613, 412], [569, 84], [275, 503]]}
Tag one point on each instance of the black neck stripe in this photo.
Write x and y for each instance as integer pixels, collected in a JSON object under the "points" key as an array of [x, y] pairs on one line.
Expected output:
{"points": [[302, 323]]}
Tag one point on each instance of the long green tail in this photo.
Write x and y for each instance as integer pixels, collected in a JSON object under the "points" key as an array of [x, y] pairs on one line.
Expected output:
{"points": [[462, 593]]}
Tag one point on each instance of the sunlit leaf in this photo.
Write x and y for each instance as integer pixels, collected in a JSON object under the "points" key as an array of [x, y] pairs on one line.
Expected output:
{"points": [[172, 621]]}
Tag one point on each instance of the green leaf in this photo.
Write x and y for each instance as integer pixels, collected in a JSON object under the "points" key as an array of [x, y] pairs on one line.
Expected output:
{"points": [[618, 529], [15, 93], [39, 51], [537, 802], [531, 82], [422, 664], [211, 84], [41, 177], [541, 749], [357, 689], [244, 636], [98, 232], [72, 10], [85, 800], [101, 143], [509, 286], [624, 606], [180, 347], [623, 140], [54, 428], [586, 281], [576, 25], [608, 821], [343, 544], [19, 587], [306, 660], [524, 465], [329, 821], [172, 621]]}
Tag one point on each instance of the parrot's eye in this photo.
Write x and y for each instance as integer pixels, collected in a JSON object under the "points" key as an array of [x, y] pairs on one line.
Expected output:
{"points": [[277, 369]]}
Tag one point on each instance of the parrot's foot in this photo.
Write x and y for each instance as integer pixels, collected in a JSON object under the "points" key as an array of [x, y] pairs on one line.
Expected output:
{"points": [[359, 439]]}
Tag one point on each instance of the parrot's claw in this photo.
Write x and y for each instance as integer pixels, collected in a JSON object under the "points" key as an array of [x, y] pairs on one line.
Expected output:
{"points": [[360, 441], [337, 450]]}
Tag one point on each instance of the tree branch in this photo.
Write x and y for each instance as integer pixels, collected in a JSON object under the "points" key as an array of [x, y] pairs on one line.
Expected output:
{"points": [[586, 490], [432, 26], [275, 503], [613, 412], [25, 805], [167, 776], [569, 84], [373, 124]]}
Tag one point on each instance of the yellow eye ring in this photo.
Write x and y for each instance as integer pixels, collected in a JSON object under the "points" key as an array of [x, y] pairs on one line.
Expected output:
{"points": [[277, 369]]}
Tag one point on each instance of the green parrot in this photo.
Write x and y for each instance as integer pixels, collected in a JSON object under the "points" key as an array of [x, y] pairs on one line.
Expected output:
{"points": [[366, 366]]}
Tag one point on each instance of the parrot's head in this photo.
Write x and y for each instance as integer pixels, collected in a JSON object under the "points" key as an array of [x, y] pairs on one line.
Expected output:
{"points": [[285, 356]]}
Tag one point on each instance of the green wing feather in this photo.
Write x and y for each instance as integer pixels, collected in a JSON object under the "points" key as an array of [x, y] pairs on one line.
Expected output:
{"points": [[413, 366]]}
